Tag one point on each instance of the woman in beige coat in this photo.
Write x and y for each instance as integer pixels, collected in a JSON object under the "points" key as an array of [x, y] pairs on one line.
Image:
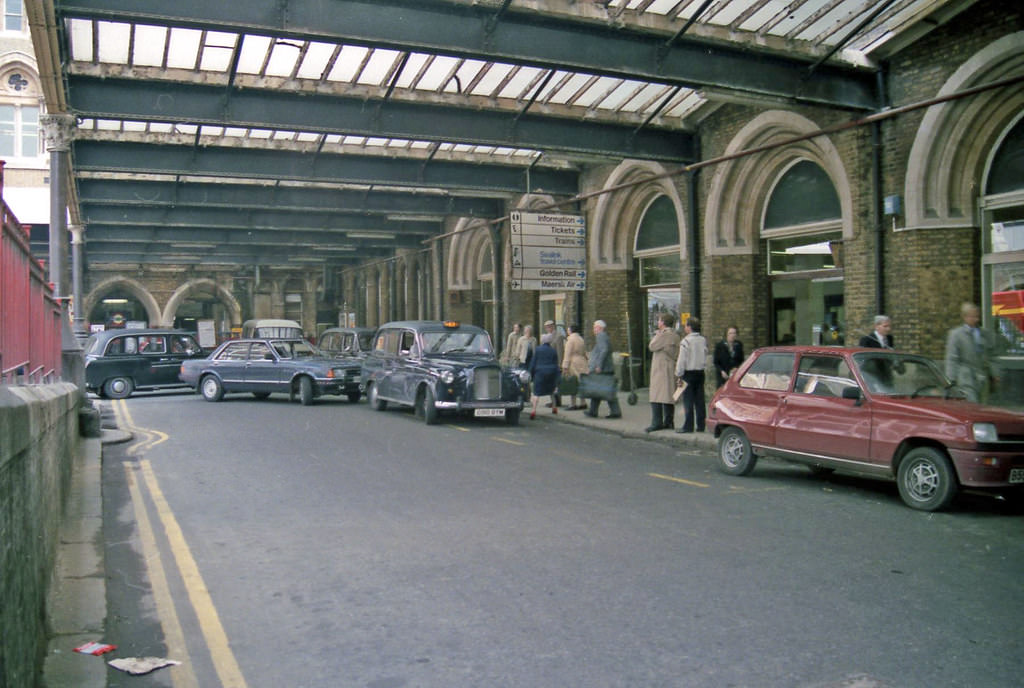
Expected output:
{"points": [[574, 360], [665, 349]]}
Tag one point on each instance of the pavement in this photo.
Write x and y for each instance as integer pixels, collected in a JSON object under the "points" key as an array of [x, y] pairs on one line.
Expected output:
{"points": [[77, 605], [634, 419]]}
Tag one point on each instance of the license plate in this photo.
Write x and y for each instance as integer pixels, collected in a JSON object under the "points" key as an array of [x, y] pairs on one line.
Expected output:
{"points": [[489, 413], [1017, 475]]}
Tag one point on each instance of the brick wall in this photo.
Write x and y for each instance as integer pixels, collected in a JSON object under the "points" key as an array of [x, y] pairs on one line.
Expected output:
{"points": [[38, 439]]}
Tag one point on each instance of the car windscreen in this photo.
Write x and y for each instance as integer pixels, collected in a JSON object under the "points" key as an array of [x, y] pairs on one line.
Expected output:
{"points": [[456, 341], [900, 375], [295, 349]]}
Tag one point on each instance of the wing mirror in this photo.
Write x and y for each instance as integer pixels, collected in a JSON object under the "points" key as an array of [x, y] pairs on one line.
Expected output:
{"points": [[853, 393]]}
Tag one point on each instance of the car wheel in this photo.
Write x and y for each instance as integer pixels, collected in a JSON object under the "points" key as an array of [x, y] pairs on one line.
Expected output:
{"points": [[926, 479], [261, 395], [427, 408], [512, 416], [305, 391], [211, 388], [376, 402], [354, 397], [734, 453], [118, 387]]}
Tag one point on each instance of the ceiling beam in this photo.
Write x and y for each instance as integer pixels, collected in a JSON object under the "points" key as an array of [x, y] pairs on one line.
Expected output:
{"points": [[101, 234], [245, 218], [132, 192], [521, 37], [145, 100], [217, 161]]}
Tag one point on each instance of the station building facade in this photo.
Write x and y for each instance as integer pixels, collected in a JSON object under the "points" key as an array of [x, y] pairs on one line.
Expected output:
{"points": [[803, 241]]}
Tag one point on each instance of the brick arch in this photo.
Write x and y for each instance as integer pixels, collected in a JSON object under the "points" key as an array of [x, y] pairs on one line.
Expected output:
{"points": [[472, 235], [134, 287], [955, 141], [182, 292], [740, 189], [617, 215]]}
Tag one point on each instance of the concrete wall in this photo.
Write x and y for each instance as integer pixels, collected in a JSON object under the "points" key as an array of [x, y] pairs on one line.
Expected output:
{"points": [[38, 440]]}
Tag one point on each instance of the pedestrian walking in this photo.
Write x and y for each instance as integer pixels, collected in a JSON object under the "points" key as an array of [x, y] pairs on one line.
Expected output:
{"points": [[574, 361], [693, 352], [511, 350], [524, 349], [664, 348], [970, 354], [545, 372], [601, 364], [558, 344], [880, 337]]}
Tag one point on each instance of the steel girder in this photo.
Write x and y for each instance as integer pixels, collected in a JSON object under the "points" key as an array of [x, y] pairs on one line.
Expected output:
{"points": [[131, 192], [137, 99], [242, 163], [518, 38], [102, 233], [245, 218]]}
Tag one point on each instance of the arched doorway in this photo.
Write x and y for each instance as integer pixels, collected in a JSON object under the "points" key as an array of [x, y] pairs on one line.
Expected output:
{"points": [[658, 269], [803, 230], [120, 302], [203, 299]]}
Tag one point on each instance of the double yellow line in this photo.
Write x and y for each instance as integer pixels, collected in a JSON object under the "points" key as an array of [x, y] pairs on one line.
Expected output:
{"points": [[224, 662]]}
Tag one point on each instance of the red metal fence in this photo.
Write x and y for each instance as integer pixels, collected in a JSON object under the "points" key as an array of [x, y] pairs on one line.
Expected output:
{"points": [[30, 318]]}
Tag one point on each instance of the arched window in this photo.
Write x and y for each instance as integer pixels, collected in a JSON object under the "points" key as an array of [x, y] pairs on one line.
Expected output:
{"points": [[803, 231], [656, 247], [1003, 260]]}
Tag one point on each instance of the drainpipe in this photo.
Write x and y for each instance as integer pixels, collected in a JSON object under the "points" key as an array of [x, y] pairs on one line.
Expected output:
{"points": [[877, 191], [693, 219]]}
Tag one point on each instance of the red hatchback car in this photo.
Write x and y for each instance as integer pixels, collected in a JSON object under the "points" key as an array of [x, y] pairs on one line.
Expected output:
{"points": [[881, 413]]}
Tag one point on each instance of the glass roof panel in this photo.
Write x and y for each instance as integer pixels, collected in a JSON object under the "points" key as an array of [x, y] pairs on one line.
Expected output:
{"points": [[183, 48], [518, 84], [661, 6], [469, 71], [218, 51], [491, 79], [597, 90], [569, 88], [113, 40], [347, 65], [437, 73], [315, 62], [412, 69], [148, 50], [81, 40], [620, 95], [838, 16], [794, 17], [758, 19], [378, 67], [254, 53], [283, 57]]}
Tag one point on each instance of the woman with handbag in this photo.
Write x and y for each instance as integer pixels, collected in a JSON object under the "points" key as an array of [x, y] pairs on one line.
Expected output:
{"points": [[664, 347], [544, 372], [574, 364]]}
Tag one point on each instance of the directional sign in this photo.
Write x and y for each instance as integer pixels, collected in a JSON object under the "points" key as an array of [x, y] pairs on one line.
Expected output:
{"points": [[549, 251]]}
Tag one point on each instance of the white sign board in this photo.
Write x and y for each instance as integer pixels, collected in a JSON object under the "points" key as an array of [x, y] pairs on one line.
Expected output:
{"points": [[549, 251], [207, 334]]}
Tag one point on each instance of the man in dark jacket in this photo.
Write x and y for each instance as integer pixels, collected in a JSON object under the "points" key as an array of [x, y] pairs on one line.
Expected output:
{"points": [[601, 364], [880, 337]]}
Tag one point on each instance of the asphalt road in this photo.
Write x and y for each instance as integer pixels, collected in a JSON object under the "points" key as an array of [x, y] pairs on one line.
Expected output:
{"points": [[267, 544]]}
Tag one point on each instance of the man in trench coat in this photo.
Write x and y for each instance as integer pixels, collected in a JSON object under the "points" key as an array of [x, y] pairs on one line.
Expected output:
{"points": [[664, 348]]}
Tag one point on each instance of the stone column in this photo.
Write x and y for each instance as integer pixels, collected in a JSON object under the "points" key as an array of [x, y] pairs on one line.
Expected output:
{"points": [[78, 315], [58, 131]]}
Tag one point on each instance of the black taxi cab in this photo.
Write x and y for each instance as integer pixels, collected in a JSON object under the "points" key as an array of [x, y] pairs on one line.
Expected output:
{"points": [[437, 367], [119, 362]]}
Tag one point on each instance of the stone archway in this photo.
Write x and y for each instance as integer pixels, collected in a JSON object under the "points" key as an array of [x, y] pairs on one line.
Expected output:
{"points": [[182, 292], [618, 214], [134, 287], [955, 140], [740, 189]]}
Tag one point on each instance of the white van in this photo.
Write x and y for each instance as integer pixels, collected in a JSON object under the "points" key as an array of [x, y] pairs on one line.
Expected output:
{"points": [[270, 327]]}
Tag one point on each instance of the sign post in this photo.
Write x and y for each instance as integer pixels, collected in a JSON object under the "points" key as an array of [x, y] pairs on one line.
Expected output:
{"points": [[549, 251]]}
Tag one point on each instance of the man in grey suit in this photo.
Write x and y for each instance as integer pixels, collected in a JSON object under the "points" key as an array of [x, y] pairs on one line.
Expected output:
{"points": [[601, 364], [970, 350]]}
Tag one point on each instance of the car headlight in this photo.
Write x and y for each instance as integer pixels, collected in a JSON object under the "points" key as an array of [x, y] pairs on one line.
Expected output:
{"points": [[524, 376], [985, 432], [447, 377]]}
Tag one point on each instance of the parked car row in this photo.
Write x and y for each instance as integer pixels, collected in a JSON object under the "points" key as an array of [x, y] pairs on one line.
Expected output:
{"points": [[881, 413]]}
